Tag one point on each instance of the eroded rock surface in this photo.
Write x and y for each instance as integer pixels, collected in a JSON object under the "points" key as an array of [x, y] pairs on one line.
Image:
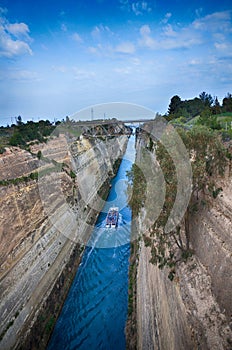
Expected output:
{"points": [[44, 221]]}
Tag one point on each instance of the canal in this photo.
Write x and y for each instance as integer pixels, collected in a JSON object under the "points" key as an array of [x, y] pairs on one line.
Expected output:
{"points": [[95, 311]]}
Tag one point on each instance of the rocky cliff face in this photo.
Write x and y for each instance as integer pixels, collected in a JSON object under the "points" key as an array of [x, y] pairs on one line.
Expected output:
{"points": [[194, 310], [45, 221], [211, 238]]}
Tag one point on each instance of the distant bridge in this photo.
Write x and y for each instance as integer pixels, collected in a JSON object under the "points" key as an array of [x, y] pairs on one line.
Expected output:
{"points": [[111, 121], [89, 126]]}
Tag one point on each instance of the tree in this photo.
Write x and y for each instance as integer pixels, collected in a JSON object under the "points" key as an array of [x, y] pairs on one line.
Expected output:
{"points": [[227, 103], [174, 105], [207, 99], [39, 154], [16, 139], [216, 108], [193, 107]]}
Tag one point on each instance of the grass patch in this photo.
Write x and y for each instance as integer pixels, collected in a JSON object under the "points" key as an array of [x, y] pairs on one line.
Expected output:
{"points": [[50, 324]]}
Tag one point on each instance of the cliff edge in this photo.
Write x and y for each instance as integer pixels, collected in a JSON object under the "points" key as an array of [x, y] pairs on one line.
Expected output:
{"points": [[39, 251]]}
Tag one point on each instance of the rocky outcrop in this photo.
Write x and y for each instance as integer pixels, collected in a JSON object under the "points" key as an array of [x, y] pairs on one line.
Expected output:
{"points": [[194, 310], [211, 239], [182, 314], [45, 223], [161, 316]]}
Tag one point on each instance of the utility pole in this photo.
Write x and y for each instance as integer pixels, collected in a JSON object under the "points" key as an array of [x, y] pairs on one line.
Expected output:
{"points": [[92, 114]]}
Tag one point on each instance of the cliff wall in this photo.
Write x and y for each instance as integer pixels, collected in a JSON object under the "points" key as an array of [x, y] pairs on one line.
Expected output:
{"points": [[40, 245], [194, 310]]}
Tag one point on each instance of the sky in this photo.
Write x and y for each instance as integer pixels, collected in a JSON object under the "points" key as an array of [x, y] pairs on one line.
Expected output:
{"points": [[58, 57]]}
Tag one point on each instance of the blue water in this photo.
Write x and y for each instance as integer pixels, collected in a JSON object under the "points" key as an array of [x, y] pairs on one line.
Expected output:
{"points": [[95, 311]]}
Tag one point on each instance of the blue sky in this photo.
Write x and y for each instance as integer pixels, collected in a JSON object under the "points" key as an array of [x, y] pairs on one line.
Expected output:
{"points": [[57, 57]]}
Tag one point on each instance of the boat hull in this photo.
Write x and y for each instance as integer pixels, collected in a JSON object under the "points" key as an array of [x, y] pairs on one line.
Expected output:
{"points": [[112, 218]]}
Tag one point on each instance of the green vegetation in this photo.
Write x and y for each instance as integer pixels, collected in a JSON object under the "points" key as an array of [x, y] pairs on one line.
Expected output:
{"points": [[188, 108], [202, 110], [191, 108], [209, 159], [132, 276], [50, 324], [24, 133], [4, 137], [136, 188], [18, 180], [131, 326], [55, 168], [72, 174]]}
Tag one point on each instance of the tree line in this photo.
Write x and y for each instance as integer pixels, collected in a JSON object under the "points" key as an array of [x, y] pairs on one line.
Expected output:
{"points": [[20, 134], [202, 104]]}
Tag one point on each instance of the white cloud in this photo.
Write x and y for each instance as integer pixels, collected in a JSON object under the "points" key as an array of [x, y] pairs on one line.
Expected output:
{"points": [[3, 11], [81, 74], [169, 31], [146, 39], [219, 36], [61, 69], [100, 50], [145, 30], [199, 11], [18, 74], [98, 31], [166, 17], [216, 21], [168, 39], [184, 41], [10, 48], [14, 38], [109, 50], [221, 46], [213, 29], [125, 47], [140, 7], [77, 38], [136, 61], [136, 7], [63, 27], [92, 49], [17, 29], [194, 62], [123, 71]]}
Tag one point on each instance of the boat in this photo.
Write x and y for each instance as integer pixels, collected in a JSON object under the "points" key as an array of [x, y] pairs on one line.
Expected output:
{"points": [[112, 217]]}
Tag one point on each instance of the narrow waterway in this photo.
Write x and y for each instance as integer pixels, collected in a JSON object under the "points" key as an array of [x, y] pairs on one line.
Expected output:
{"points": [[95, 311]]}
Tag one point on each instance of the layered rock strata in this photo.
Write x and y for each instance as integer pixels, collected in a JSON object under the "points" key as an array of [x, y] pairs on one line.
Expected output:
{"points": [[45, 222], [194, 310]]}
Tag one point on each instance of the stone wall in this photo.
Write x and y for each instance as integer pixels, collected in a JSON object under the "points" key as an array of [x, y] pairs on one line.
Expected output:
{"points": [[194, 310], [37, 245], [211, 239]]}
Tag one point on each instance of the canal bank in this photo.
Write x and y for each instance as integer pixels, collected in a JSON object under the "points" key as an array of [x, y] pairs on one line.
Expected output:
{"points": [[35, 294], [190, 311], [95, 311]]}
